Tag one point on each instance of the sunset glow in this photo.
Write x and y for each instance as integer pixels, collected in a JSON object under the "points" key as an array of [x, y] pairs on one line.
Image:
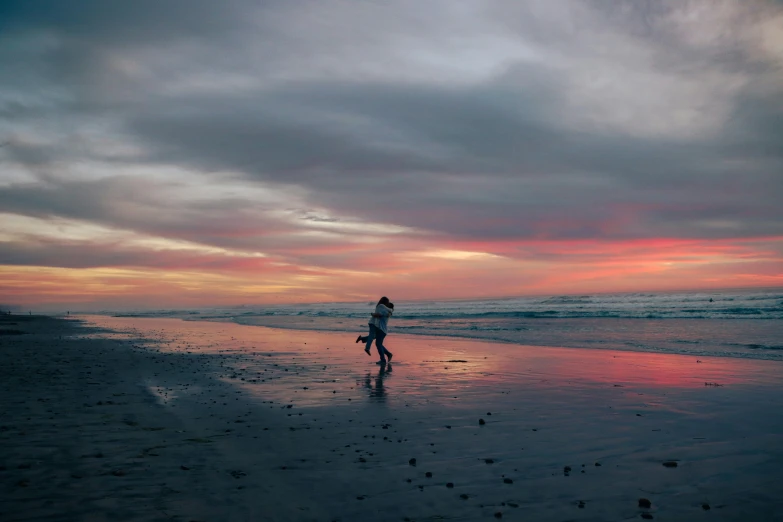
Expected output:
{"points": [[429, 152]]}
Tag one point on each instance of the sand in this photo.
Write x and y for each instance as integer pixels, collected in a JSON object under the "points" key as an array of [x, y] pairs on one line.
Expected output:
{"points": [[161, 419]]}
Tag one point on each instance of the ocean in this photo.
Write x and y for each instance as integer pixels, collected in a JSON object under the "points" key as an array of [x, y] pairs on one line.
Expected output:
{"points": [[745, 324]]}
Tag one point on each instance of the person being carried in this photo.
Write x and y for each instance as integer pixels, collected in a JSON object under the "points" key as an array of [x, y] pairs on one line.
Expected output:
{"points": [[378, 329]]}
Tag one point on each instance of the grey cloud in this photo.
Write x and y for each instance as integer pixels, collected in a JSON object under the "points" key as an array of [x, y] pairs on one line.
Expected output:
{"points": [[755, 130], [503, 156], [28, 154], [86, 254], [492, 129], [139, 204], [349, 129], [139, 23], [537, 163]]}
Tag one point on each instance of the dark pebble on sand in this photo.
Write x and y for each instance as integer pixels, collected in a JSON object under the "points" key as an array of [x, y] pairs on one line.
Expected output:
{"points": [[184, 468], [566, 469], [670, 464], [598, 464], [705, 506], [581, 504], [428, 474], [464, 496], [481, 422], [451, 485], [118, 473], [647, 516], [412, 462], [508, 481], [498, 515], [644, 503], [489, 461]]}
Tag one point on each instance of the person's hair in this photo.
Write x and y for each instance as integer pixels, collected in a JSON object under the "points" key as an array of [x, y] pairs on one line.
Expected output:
{"points": [[384, 300], [390, 305]]}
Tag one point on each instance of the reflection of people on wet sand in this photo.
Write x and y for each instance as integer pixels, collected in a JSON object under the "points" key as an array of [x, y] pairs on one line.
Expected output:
{"points": [[378, 391], [378, 328]]}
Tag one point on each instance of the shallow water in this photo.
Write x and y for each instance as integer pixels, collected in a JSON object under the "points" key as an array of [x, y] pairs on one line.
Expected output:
{"points": [[277, 363], [729, 324]]}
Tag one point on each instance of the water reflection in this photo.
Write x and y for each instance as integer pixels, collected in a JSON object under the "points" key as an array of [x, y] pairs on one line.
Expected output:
{"points": [[375, 386], [322, 368]]}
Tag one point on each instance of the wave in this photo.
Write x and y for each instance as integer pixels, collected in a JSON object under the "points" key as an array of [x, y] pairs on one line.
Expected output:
{"points": [[706, 305], [738, 313], [763, 347], [729, 324]]}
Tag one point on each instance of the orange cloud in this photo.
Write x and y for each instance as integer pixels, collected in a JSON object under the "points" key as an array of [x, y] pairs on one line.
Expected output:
{"points": [[406, 269]]}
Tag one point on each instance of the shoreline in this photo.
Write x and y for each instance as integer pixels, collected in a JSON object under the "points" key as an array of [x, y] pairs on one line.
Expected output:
{"points": [[272, 425], [762, 341], [489, 340], [772, 369]]}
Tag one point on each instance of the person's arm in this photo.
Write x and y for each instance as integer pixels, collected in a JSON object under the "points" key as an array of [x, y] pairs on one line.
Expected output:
{"points": [[381, 311]]}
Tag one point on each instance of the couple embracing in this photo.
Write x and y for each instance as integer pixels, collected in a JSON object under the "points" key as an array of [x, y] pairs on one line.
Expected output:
{"points": [[378, 322]]}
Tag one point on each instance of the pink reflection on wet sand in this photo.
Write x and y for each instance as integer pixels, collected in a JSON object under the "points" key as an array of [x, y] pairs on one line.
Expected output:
{"points": [[273, 363]]}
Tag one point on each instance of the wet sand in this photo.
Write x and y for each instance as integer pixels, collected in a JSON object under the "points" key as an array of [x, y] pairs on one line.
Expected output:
{"points": [[161, 419]]}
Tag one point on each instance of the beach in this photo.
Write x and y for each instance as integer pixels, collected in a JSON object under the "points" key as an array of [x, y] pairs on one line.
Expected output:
{"points": [[161, 419]]}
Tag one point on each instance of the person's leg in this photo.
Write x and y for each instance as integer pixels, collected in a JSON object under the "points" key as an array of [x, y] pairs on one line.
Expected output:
{"points": [[379, 335], [369, 339]]}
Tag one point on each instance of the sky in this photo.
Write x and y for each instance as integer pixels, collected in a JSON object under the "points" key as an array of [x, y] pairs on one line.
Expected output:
{"points": [[184, 153]]}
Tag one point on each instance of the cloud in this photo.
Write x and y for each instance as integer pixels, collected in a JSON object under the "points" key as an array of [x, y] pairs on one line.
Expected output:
{"points": [[347, 134]]}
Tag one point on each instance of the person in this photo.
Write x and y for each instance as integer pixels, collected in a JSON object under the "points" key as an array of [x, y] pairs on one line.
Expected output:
{"points": [[378, 329], [382, 319], [368, 339]]}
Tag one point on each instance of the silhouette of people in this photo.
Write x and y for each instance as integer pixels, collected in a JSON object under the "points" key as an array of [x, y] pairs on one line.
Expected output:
{"points": [[378, 329]]}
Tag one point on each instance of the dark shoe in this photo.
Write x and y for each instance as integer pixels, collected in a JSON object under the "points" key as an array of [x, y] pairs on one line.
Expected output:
{"points": [[389, 355], [367, 351], [358, 338]]}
